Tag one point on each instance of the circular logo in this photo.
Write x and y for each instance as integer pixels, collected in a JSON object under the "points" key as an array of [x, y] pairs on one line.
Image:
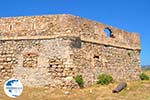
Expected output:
{"points": [[13, 88]]}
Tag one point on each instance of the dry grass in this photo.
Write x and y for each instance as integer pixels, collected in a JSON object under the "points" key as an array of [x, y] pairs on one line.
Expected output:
{"points": [[146, 71], [136, 90]]}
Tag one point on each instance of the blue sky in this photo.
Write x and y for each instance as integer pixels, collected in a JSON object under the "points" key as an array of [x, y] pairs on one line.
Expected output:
{"points": [[129, 15]]}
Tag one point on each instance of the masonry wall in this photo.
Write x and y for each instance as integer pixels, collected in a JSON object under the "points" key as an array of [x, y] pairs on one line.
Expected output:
{"points": [[51, 50], [56, 61], [38, 62], [65, 25], [94, 59]]}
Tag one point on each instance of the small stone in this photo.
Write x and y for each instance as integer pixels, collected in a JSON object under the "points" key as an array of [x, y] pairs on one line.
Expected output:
{"points": [[1, 67], [66, 92], [68, 31], [64, 87], [3, 71], [13, 58], [91, 90], [8, 59], [69, 78], [128, 88]]}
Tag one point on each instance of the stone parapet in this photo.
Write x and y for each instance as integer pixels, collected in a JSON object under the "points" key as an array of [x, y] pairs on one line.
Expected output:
{"points": [[49, 26]]}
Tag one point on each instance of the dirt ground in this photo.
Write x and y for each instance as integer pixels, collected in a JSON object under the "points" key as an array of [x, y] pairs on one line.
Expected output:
{"points": [[137, 90]]}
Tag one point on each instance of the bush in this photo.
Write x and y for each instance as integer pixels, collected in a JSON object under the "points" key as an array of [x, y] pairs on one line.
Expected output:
{"points": [[104, 79], [79, 80], [144, 77]]}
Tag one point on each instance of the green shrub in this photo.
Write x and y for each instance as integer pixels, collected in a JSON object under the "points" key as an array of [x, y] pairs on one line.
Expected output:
{"points": [[79, 80], [143, 76], [104, 79]]}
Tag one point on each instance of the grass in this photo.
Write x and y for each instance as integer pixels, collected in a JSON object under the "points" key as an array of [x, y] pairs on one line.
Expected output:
{"points": [[135, 90], [146, 71]]}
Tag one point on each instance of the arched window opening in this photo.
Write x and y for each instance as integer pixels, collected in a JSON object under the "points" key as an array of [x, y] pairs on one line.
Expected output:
{"points": [[108, 32]]}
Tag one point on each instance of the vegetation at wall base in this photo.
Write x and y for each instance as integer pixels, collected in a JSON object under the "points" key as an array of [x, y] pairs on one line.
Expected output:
{"points": [[104, 79], [79, 80], [143, 76]]}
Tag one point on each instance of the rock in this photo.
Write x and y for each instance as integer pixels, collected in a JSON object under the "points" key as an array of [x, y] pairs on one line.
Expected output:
{"points": [[91, 91], [66, 92], [69, 78], [64, 88]]}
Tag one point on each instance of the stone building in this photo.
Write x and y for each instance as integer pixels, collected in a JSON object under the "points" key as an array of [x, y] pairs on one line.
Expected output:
{"points": [[50, 50]]}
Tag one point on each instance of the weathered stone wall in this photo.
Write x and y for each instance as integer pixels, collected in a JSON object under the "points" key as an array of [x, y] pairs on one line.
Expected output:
{"points": [[38, 62], [56, 61], [51, 50], [65, 25], [94, 59]]}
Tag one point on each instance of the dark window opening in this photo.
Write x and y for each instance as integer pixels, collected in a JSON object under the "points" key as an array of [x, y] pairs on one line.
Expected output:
{"points": [[108, 32], [96, 57]]}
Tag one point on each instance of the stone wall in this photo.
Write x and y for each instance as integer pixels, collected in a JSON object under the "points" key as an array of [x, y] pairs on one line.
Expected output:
{"points": [[51, 50], [56, 61], [94, 59], [37, 62], [65, 25]]}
